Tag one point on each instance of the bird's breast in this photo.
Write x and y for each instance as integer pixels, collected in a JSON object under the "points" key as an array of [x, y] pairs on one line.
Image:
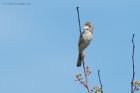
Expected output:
{"points": [[87, 36]]}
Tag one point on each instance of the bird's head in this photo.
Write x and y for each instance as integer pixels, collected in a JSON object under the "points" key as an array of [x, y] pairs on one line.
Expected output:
{"points": [[88, 26]]}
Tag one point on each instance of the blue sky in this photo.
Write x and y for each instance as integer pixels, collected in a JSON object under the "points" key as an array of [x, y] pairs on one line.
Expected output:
{"points": [[38, 45]]}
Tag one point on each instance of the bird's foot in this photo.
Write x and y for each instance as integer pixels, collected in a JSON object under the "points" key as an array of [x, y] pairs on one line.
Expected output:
{"points": [[82, 53]]}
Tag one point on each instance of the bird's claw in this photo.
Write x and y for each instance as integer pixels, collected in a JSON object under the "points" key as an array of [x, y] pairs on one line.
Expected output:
{"points": [[82, 55]]}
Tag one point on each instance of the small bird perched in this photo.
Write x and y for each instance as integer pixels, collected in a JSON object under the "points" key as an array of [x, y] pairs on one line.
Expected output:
{"points": [[84, 41]]}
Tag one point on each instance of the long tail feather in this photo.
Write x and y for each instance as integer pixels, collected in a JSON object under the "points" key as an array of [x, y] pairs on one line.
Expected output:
{"points": [[79, 62]]}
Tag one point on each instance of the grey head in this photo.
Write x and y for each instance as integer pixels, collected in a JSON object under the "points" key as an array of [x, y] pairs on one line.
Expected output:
{"points": [[88, 26]]}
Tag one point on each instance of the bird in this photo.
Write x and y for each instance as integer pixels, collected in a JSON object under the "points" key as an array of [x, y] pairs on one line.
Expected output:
{"points": [[84, 41]]}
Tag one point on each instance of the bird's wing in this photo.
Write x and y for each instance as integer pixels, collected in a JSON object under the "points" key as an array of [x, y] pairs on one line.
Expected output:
{"points": [[81, 41]]}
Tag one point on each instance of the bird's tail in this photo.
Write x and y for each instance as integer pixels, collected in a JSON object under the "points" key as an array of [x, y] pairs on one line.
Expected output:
{"points": [[79, 62]]}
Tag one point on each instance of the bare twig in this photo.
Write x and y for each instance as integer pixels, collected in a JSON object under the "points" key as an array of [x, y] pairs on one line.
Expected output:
{"points": [[86, 76], [100, 81], [133, 64], [85, 72], [79, 19], [80, 37]]}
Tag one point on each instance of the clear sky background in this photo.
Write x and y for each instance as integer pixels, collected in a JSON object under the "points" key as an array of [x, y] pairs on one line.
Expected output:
{"points": [[38, 45]]}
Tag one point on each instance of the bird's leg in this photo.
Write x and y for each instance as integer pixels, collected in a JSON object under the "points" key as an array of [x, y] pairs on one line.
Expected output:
{"points": [[82, 55]]}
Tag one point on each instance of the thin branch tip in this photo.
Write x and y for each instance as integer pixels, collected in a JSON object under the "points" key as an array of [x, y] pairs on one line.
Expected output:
{"points": [[133, 65], [79, 19], [100, 81]]}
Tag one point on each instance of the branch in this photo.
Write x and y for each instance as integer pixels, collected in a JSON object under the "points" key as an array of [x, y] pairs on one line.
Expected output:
{"points": [[85, 69], [133, 65], [80, 37], [100, 81], [79, 20]]}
